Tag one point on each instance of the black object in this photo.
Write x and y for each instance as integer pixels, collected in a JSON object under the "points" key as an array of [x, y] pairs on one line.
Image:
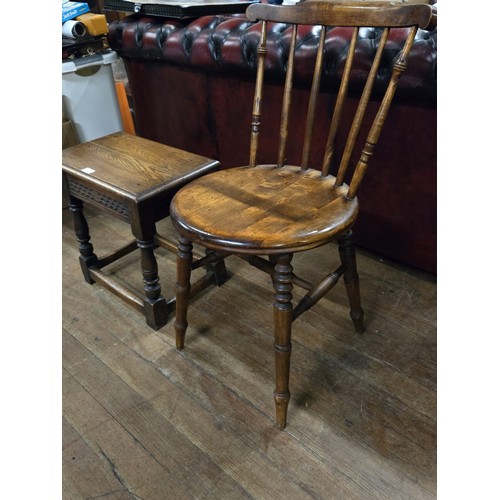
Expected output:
{"points": [[83, 46], [179, 8]]}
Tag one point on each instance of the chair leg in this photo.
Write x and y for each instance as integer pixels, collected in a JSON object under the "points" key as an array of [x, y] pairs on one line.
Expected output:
{"points": [[87, 256], [182, 288], [347, 254], [282, 334], [155, 306]]}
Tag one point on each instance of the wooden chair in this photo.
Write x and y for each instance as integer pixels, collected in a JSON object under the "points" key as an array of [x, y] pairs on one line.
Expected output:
{"points": [[275, 210], [133, 179]]}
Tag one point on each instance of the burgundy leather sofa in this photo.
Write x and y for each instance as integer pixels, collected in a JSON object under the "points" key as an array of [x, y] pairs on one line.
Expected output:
{"points": [[191, 81]]}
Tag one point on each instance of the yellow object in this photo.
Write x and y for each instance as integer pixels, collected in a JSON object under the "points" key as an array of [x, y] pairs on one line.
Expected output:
{"points": [[96, 24]]}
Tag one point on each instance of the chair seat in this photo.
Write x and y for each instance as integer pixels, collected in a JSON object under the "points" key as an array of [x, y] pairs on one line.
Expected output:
{"points": [[267, 209]]}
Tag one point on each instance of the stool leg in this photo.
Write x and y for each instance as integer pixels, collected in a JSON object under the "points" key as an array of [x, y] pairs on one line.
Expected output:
{"points": [[182, 288], [282, 334], [87, 256], [347, 254], [155, 306], [218, 270], [144, 229]]}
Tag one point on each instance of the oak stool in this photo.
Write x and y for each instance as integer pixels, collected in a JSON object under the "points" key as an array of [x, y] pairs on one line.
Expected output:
{"points": [[133, 179]]}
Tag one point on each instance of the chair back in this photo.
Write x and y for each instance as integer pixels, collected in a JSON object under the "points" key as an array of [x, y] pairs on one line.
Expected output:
{"points": [[327, 14]]}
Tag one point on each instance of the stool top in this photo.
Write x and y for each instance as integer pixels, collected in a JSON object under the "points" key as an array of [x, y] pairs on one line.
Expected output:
{"points": [[133, 167]]}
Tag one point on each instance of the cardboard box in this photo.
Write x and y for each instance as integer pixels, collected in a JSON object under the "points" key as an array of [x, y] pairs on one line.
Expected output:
{"points": [[69, 137], [70, 10]]}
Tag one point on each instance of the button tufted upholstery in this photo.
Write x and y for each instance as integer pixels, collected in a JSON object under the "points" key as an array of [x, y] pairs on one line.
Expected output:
{"points": [[191, 81], [228, 44]]}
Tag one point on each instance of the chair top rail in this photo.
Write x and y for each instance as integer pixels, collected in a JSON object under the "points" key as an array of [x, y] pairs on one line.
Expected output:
{"points": [[346, 13]]}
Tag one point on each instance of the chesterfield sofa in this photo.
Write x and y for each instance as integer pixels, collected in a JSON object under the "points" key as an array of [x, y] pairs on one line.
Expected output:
{"points": [[191, 82]]}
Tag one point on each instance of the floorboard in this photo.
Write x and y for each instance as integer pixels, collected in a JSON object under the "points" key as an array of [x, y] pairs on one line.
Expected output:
{"points": [[142, 420]]}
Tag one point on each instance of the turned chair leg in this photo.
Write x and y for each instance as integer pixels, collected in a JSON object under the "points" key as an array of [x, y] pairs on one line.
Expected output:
{"points": [[87, 256], [182, 288], [347, 254], [282, 334]]}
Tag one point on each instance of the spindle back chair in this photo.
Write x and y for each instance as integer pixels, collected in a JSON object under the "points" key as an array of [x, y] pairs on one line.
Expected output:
{"points": [[277, 210]]}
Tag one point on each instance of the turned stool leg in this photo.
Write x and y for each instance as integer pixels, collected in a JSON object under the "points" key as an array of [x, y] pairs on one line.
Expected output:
{"points": [[155, 305], [282, 281], [87, 256], [347, 254], [182, 288], [218, 269]]}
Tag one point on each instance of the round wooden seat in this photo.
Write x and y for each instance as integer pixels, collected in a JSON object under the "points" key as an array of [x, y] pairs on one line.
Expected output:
{"points": [[263, 209]]}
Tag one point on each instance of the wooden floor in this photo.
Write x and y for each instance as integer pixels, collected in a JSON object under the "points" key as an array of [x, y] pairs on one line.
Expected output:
{"points": [[144, 421]]}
